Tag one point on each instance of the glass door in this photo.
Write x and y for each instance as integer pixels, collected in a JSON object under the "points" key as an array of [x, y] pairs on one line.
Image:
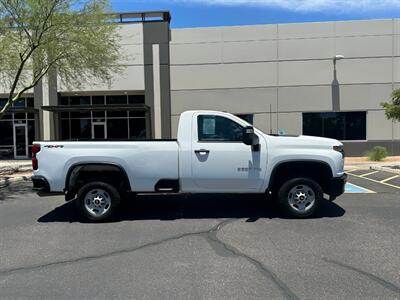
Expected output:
{"points": [[20, 141], [99, 131]]}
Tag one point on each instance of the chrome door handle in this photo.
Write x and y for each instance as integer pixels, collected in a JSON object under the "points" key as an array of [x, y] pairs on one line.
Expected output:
{"points": [[202, 151]]}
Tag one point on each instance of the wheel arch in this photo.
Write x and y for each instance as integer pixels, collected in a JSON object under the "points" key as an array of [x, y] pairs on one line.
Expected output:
{"points": [[91, 168], [300, 168]]}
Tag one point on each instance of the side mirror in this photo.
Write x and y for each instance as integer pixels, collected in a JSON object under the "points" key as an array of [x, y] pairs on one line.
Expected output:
{"points": [[249, 137]]}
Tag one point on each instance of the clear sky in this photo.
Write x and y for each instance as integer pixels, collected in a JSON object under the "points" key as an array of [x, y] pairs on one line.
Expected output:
{"points": [[202, 13]]}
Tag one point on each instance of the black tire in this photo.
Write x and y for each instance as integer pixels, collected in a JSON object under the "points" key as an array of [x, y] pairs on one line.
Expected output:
{"points": [[105, 190], [305, 206]]}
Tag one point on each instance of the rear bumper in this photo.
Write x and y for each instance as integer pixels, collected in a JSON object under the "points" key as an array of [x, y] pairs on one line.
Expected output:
{"points": [[337, 186], [40, 184]]}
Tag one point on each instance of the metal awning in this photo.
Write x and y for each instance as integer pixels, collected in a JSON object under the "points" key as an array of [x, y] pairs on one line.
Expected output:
{"points": [[23, 110], [85, 108]]}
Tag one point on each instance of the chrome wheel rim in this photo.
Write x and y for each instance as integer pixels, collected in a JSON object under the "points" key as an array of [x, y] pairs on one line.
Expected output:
{"points": [[301, 198], [97, 202]]}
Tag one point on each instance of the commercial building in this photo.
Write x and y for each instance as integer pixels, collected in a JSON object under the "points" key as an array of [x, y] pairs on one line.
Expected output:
{"points": [[325, 79]]}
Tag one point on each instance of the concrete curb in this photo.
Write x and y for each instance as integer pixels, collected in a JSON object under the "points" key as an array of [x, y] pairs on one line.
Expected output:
{"points": [[385, 169], [4, 182]]}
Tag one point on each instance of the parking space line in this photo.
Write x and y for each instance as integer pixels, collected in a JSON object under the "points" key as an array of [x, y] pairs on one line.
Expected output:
{"points": [[352, 170], [370, 173], [377, 181], [390, 178], [363, 190]]}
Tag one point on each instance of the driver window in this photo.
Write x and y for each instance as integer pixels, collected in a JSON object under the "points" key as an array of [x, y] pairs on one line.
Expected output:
{"points": [[217, 128]]}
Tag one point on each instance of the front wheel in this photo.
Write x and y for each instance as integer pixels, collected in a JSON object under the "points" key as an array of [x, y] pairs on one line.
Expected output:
{"points": [[300, 197], [98, 201]]}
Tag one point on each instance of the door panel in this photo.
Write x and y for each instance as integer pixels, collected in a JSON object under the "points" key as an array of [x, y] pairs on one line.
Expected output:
{"points": [[220, 161], [227, 167]]}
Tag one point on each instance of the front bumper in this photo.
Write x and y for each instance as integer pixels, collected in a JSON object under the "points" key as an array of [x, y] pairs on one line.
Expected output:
{"points": [[40, 184], [337, 186]]}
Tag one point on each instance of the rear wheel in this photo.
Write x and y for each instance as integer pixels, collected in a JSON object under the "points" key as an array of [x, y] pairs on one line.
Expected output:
{"points": [[300, 197], [98, 201]]}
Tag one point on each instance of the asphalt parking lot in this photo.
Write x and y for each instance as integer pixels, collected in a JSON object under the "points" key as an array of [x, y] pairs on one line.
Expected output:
{"points": [[204, 247]]}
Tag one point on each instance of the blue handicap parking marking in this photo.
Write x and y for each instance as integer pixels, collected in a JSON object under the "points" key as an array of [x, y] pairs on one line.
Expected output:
{"points": [[355, 189]]}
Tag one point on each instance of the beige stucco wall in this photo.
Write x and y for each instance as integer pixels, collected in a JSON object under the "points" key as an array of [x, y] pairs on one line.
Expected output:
{"points": [[287, 68], [132, 76]]}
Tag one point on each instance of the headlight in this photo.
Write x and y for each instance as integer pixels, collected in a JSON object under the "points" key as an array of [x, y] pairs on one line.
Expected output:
{"points": [[339, 149]]}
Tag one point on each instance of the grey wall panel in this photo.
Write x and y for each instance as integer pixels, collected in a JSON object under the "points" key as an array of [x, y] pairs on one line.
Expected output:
{"points": [[366, 46], [396, 70], [306, 30], [291, 123], [130, 78], [131, 54], [307, 48], [249, 33], [396, 26], [223, 76], [396, 47], [360, 148], [305, 72], [160, 33], [248, 51], [266, 122], [174, 126], [232, 100], [196, 35], [311, 98], [378, 126], [196, 53], [363, 97], [131, 33], [372, 70], [367, 27]]}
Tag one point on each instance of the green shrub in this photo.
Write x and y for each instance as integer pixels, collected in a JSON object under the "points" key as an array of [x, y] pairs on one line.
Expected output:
{"points": [[377, 153]]}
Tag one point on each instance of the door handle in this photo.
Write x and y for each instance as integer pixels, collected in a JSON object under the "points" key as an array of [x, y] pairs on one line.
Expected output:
{"points": [[202, 151]]}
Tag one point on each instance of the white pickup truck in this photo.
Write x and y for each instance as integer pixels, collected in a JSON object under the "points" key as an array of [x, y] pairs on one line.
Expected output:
{"points": [[215, 152]]}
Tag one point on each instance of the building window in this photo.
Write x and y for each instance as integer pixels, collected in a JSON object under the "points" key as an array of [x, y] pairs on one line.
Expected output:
{"points": [[16, 128], [247, 117], [116, 100], [336, 125], [114, 124], [136, 99]]}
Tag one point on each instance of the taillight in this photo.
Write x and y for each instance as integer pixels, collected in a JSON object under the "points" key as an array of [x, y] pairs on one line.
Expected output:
{"points": [[35, 150]]}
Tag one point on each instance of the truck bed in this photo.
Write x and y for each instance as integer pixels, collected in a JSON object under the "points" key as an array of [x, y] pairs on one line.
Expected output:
{"points": [[140, 159]]}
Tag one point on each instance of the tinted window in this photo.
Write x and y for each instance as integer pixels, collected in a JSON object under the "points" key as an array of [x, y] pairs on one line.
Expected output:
{"points": [[81, 129], [6, 136], [19, 103], [98, 100], [216, 128], [30, 102], [116, 99], [336, 125], [117, 129], [64, 100], [136, 99], [80, 100], [137, 128]]}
